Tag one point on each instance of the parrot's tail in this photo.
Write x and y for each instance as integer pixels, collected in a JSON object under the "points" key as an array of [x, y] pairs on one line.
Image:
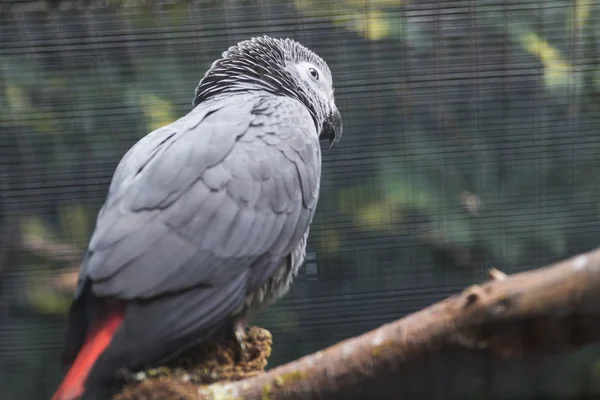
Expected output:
{"points": [[98, 339]]}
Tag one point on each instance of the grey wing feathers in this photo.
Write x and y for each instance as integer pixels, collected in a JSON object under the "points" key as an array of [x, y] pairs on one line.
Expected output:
{"points": [[206, 199]]}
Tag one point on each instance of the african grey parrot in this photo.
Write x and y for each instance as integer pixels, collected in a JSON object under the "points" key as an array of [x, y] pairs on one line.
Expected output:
{"points": [[206, 219]]}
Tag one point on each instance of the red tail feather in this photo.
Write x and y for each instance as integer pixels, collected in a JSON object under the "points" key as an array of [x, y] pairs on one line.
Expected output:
{"points": [[97, 341]]}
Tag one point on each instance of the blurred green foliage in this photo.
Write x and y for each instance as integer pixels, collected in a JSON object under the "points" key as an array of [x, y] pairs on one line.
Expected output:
{"points": [[516, 214], [63, 107]]}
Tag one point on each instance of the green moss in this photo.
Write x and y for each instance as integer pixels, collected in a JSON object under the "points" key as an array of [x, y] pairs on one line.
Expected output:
{"points": [[376, 352], [279, 381], [289, 377], [159, 371], [266, 395], [218, 391]]}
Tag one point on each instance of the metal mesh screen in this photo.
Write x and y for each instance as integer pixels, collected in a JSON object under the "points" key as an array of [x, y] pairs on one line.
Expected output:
{"points": [[470, 141]]}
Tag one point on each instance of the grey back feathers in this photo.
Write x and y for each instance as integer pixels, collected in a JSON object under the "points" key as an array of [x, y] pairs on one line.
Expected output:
{"points": [[207, 218], [226, 186]]}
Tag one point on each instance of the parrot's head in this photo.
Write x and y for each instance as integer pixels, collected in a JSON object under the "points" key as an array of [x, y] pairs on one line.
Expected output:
{"points": [[279, 66]]}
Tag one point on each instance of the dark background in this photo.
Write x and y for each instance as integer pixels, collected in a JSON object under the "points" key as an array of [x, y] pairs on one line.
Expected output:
{"points": [[470, 142]]}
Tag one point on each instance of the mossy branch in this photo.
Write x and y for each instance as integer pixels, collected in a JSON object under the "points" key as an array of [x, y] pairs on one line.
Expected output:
{"points": [[540, 311]]}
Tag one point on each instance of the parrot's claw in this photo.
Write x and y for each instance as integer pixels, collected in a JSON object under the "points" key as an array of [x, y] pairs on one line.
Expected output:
{"points": [[240, 336]]}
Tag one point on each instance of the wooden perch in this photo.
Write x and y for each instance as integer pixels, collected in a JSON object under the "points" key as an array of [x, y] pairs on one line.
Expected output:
{"points": [[531, 313]]}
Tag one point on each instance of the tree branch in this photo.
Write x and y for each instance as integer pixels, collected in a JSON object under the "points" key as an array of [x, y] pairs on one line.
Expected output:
{"points": [[530, 313]]}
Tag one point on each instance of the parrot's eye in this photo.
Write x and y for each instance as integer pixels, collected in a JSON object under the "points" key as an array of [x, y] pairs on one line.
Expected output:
{"points": [[314, 73]]}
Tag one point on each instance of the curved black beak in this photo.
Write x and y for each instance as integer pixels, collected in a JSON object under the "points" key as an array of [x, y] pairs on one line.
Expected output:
{"points": [[332, 127]]}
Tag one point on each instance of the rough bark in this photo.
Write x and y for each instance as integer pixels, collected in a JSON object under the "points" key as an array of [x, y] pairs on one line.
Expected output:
{"points": [[530, 314]]}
